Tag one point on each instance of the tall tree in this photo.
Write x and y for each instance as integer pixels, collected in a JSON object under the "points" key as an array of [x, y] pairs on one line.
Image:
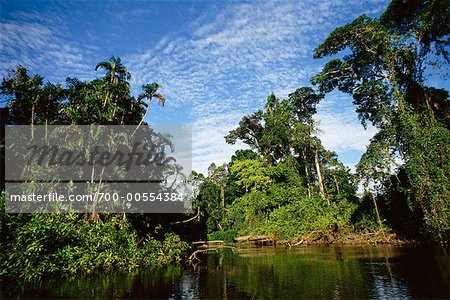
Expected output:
{"points": [[115, 70], [285, 129], [25, 93], [150, 91], [116, 73], [385, 73]]}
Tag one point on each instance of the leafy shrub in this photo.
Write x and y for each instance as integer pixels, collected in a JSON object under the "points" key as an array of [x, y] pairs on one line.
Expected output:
{"points": [[69, 244], [307, 215]]}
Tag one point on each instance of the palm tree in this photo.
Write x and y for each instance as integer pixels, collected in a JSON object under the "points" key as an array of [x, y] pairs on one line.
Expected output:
{"points": [[149, 91], [116, 71]]}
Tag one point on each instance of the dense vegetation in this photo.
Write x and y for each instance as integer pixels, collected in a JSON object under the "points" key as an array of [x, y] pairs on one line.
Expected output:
{"points": [[37, 244], [287, 184], [291, 184]]}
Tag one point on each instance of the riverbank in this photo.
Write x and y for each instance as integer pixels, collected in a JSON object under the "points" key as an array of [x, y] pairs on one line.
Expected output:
{"points": [[329, 237], [326, 237], [321, 238]]}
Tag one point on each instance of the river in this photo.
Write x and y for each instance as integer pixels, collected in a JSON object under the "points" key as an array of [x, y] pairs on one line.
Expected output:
{"points": [[348, 272]]}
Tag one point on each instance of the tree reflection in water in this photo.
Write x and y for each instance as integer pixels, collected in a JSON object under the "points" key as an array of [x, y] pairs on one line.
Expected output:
{"points": [[384, 272]]}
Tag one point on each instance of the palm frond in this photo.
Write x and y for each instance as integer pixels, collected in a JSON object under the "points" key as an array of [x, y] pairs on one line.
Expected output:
{"points": [[104, 64], [160, 97]]}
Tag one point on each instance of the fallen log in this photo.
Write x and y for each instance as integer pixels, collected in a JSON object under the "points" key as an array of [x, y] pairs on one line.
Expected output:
{"points": [[193, 256], [241, 239], [199, 242], [253, 238], [215, 242]]}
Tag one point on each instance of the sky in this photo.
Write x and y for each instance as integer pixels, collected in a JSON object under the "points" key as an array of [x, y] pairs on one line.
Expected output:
{"points": [[217, 60]]}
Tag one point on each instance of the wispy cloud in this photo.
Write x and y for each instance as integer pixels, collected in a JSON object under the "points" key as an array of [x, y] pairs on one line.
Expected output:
{"points": [[41, 48], [215, 69], [235, 56], [340, 130], [208, 143]]}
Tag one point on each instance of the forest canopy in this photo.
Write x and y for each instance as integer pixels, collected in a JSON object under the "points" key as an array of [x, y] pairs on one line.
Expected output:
{"points": [[286, 185], [288, 182]]}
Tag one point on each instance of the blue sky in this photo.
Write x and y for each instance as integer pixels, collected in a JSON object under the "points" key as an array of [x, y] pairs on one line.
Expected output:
{"points": [[217, 60]]}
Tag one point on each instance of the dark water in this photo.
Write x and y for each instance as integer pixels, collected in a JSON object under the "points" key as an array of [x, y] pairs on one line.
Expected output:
{"points": [[310, 272]]}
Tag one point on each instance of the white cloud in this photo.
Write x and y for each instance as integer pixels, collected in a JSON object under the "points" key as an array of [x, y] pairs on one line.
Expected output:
{"points": [[40, 48], [233, 55], [341, 132], [209, 143], [234, 58]]}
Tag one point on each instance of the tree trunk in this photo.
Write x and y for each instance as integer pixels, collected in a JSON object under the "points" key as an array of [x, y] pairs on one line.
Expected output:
{"points": [[337, 185], [142, 120], [430, 110], [376, 210], [307, 175], [46, 128], [124, 217], [319, 177], [32, 120], [114, 110], [219, 226], [106, 98], [222, 195]]}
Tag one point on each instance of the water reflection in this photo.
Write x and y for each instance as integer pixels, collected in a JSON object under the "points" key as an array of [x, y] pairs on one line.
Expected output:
{"points": [[188, 287], [380, 272]]}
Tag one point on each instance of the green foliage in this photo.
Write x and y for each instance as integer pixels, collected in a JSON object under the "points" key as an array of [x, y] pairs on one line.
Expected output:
{"points": [[367, 222], [209, 200], [106, 100], [427, 150], [30, 101], [292, 184], [288, 184], [69, 244], [306, 215], [36, 245], [250, 174], [427, 20], [385, 72]]}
